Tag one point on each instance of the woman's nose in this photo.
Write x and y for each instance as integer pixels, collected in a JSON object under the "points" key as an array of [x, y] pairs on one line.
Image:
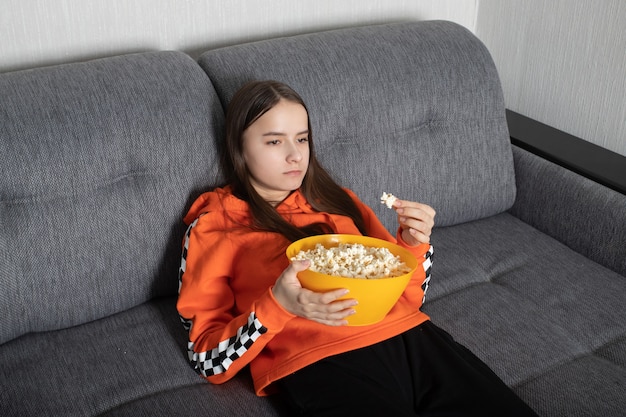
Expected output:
{"points": [[294, 154]]}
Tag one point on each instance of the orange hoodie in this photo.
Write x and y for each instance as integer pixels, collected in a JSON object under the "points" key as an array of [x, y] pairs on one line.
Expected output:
{"points": [[226, 303]]}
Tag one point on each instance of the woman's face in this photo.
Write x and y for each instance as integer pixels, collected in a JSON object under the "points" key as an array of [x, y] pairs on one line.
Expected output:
{"points": [[276, 150]]}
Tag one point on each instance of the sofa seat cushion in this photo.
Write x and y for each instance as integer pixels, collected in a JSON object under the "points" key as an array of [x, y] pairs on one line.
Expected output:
{"points": [[235, 398], [590, 385], [532, 309], [130, 363]]}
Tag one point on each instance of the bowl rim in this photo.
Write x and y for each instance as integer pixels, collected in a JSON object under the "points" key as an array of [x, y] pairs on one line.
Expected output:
{"points": [[338, 238]]}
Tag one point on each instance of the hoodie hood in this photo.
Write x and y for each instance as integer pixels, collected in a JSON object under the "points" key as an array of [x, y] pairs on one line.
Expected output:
{"points": [[221, 201]]}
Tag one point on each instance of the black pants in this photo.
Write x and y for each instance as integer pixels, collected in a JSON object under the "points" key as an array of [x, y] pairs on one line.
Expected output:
{"points": [[422, 372]]}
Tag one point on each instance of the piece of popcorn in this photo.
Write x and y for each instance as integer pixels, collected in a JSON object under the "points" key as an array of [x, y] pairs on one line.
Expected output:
{"points": [[388, 199], [353, 260]]}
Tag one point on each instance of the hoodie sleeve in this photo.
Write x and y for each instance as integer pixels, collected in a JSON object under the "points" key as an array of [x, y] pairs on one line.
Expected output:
{"points": [[220, 343]]}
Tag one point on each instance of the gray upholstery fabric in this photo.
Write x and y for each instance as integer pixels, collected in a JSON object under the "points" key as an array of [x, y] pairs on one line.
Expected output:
{"points": [[98, 163], [583, 387], [132, 363], [411, 109], [535, 311], [236, 399], [561, 203]]}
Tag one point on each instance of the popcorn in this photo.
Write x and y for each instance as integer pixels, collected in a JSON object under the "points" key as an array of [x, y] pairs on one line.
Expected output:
{"points": [[388, 199], [354, 260]]}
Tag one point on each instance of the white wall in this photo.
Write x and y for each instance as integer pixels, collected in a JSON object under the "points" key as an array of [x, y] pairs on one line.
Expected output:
{"points": [[562, 62], [41, 32]]}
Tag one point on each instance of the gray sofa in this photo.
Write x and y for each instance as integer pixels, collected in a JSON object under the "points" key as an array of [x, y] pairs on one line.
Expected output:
{"points": [[101, 159]]}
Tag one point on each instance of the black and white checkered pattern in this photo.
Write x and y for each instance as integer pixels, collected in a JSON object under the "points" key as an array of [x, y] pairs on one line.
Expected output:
{"points": [[427, 265], [183, 267], [219, 359], [183, 258]]}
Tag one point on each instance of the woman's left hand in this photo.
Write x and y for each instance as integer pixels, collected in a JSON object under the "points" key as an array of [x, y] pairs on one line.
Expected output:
{"points": [[416, 220]]}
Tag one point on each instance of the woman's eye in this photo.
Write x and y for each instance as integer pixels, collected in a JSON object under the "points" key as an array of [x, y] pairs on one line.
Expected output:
{"points": [[302, 140], [273, 142]]}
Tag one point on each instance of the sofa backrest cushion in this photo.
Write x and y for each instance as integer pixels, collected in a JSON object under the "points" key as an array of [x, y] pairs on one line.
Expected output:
{"points": [[414, 109], [99, 161]]}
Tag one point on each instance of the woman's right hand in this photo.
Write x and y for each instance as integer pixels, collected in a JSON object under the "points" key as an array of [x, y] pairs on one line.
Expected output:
{"points": [[320, 307]]}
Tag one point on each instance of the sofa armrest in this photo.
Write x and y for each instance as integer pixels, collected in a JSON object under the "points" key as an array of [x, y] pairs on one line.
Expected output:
{"points": [[583, 214], [585, 158]]}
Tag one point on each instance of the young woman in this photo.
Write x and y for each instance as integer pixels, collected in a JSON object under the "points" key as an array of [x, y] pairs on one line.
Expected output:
{"points": [[242, 303]]}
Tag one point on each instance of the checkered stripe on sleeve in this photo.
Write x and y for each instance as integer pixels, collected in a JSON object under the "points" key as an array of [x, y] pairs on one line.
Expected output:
{"points": [[183, 267], [219, 359], [427, 265]]}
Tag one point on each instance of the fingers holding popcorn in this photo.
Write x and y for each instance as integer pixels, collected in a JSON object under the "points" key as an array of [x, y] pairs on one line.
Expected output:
{"points": [[416, 219]]}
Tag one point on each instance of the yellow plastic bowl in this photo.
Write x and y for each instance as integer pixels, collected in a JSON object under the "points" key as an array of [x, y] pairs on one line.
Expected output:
{"points": [[376, 297]]}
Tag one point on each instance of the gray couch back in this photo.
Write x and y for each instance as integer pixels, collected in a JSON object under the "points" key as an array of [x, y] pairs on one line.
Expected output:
{"points": [[415, 109], [99, 160]]}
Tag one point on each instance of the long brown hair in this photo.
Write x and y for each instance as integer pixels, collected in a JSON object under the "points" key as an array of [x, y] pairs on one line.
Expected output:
{"points": [[248, 104]]}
